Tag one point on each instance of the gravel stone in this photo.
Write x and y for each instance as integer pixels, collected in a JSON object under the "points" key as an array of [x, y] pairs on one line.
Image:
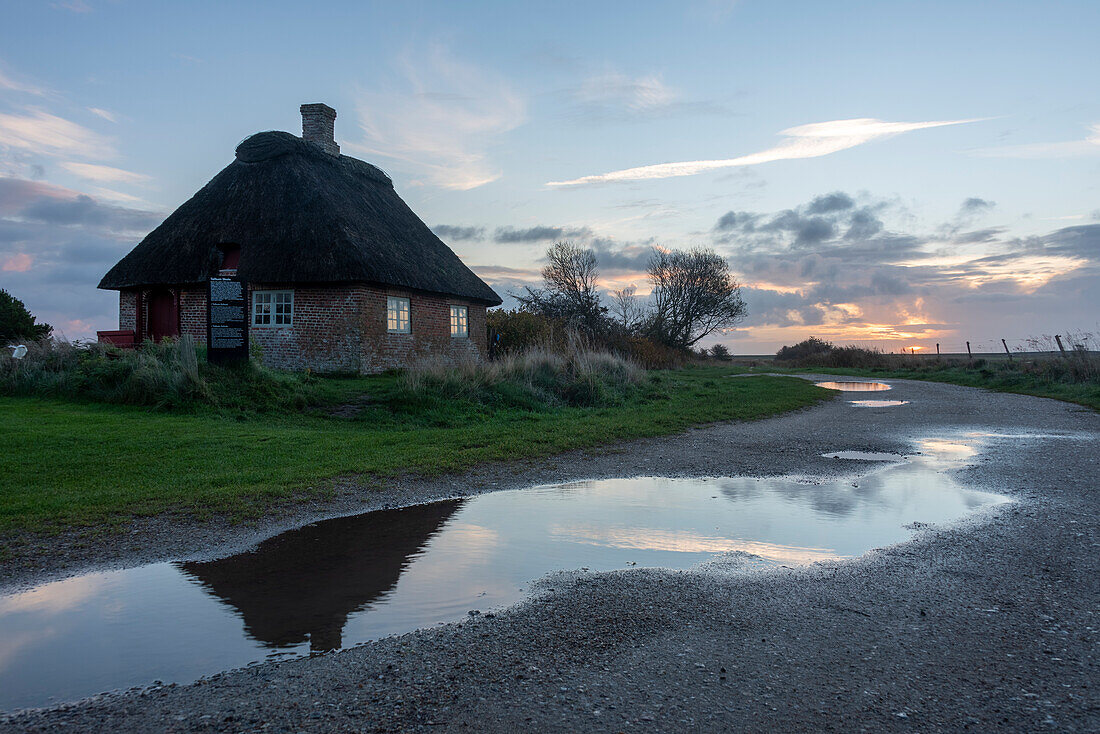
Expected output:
{"points": [[986, 624]]}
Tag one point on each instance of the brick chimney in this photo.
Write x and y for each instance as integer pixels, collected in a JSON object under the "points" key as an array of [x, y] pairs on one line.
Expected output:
{"points": [[318, 127]]}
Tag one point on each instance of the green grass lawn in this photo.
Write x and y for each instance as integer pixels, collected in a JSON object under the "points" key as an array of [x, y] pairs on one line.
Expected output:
{"points": [[1000, 377], [65, 464]]}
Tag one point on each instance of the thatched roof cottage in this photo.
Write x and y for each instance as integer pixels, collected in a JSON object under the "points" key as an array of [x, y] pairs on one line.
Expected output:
{"points": [[340, 273]]}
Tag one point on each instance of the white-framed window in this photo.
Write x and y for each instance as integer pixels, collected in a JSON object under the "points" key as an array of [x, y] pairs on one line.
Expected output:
{"points": [[397, 315], [460, 326], [272, 308]]}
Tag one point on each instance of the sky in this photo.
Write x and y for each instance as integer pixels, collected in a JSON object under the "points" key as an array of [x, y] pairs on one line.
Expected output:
{"points": [[892, 174]]}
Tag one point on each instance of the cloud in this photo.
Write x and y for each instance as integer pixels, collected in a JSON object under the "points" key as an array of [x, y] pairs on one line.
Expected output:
{"points": [[74, 6], [457, 233], [23, 201], [86, 211], [975, 204], [848, 275], [805, 141], [1062, 149], [106, 115], [439, 119], [20, 262], [11, 85], [979, 235], [834, 202], [632, 93], [55, 245], [37, 131], [538, 233], [105, 174], [736, 221], [629, 258]]}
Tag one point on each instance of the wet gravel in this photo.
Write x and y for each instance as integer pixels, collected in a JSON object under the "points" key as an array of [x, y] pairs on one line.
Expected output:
{"points": [[987, 625]]}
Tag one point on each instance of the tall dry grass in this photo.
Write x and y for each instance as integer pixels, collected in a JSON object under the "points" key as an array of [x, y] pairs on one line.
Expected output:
{"points": [[171, 374], [576, 374]]}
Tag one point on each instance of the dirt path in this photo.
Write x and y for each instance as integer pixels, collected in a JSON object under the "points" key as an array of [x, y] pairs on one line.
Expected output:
{"points": [[990, 626]]}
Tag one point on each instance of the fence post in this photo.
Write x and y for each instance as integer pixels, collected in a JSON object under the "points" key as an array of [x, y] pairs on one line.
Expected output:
{"points": [[968, 354], [1006, 350], [1060, 347], [937, 349]]}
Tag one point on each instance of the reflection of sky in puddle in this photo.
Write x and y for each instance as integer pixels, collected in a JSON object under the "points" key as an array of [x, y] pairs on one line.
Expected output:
{"points": [[855, 386], [877, 403], [348, 580], [863, 456]]}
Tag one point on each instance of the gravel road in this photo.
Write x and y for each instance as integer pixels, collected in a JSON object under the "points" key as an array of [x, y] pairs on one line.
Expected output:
{"points": [[991, 624]]}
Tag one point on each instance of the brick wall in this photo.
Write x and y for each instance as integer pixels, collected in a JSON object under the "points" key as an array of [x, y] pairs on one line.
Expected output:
{"points": [[430, 316], [127, 310], [341, 328], [193, 313], [325, 335]]}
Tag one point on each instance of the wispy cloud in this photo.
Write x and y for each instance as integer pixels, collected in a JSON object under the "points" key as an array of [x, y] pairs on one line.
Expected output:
{"points": [[104, 174], [459, 233], [75, 6], [805, 141], [37, 131], [638, 94], [538, 233], [105, 114], [11, 85], [1062, 149], [440, 118]]}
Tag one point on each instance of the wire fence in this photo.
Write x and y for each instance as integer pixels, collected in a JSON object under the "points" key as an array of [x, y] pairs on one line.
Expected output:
{"points": [[1045, 344]]}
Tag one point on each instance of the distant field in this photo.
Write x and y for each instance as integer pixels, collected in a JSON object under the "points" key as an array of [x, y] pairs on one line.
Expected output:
{"points": [[1074, 380], [923, 357], [66, 464]]}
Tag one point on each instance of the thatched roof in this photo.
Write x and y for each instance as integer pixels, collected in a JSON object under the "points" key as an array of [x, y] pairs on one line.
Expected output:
{"points": [[299, 215]]}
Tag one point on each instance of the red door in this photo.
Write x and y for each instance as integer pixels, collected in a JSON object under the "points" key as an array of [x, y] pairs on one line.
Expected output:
{"points": [[164, 318]]}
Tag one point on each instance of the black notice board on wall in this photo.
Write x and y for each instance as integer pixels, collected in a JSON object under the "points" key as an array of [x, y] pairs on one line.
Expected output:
{"points": [[226, 321]]}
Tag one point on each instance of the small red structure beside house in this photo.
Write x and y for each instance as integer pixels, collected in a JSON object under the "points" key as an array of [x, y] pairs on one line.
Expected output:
{"points": [[341, 275]]}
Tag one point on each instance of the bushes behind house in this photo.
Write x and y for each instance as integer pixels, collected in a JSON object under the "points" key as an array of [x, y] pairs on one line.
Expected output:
{"points": [[535, 378], [169, 375], [521, 331]]}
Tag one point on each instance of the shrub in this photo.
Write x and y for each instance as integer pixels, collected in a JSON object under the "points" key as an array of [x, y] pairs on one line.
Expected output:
{"points": [[17, 323], [535, 378], [654, 355], [520, 331], [721, 353], [169, 375], [811, 347]]}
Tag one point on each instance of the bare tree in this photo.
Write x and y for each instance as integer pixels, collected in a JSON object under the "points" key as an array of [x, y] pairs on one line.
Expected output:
{"points": [[569, 293], [627, 309], [694, 294]]}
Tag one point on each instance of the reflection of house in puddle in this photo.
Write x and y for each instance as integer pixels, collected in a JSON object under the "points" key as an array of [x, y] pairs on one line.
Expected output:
{"points": [[304, 583]]}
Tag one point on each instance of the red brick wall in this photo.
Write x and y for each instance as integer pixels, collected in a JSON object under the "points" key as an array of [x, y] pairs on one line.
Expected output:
{"points": [[341, 328], [325, 335], [430, 315], [193, 314]]}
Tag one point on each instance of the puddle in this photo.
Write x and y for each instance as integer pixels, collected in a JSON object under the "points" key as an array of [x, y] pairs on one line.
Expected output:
{"points": [[854, 386], [877, 403], [345, 581], [864, 456]]}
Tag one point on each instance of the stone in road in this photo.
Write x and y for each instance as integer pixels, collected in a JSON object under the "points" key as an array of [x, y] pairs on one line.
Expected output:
{"points": [[988, 625]]}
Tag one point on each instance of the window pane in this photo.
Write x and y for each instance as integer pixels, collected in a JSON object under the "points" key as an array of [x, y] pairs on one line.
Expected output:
{"points": [[458, 321], [272, 307], [397, 315]]}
